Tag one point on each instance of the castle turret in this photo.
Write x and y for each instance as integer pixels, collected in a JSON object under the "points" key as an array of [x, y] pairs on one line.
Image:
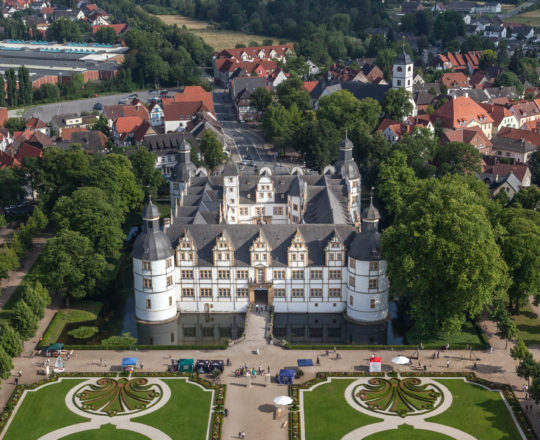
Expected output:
{"points": [[183, 171], [153, 270], [231, 211], [347, 169], [402, 76], [367, 282]]}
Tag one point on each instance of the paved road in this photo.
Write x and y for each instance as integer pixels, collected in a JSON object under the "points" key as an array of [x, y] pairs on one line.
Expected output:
{"points": [[516, 10], [47, 111]]}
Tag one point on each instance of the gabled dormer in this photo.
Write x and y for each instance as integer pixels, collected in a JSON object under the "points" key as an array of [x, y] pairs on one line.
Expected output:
{"points": [[335, 251], [297, 252], [186, 252], [223, 251], [260, 251]]}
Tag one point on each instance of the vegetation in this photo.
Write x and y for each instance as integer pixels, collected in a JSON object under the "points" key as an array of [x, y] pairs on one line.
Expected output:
{"points": [[106, 431], [125, 340], [211, 150], [83, 332], [407, 431]]}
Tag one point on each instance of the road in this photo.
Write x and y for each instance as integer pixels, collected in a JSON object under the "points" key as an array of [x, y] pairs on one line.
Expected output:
{"points": [[47, 111], [516, 10]]}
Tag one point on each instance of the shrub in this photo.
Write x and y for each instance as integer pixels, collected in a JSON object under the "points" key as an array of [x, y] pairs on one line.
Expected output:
{"points": [[125, 340], [83, 332]]}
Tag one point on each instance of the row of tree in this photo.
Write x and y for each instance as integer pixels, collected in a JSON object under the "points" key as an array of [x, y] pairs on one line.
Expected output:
{"points": [[15, 88]]}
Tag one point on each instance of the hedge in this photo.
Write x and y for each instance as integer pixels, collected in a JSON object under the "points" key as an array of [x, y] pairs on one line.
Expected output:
{"points": [[137, 347], [330, 347]]}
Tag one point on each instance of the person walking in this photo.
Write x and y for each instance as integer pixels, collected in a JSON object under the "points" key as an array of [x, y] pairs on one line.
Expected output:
{"points": [[318, 361], [268, 369], [19, 373], [447, 364], [16, 381], [142, 365]]}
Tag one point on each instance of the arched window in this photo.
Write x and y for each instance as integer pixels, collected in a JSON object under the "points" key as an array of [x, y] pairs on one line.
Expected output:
{"points": [[400, 69], [398, 82], [409, 69]]}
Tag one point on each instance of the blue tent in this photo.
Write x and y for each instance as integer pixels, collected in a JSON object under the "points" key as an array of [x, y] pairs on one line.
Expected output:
{"points": [[286, 376], [128, 363], [305, 363]]}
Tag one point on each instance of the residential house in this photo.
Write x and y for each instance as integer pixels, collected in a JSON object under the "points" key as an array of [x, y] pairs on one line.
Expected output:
{"points": [[393, 131], [488, 8], [473, 136], [514, 133], [113, 112], [192, 94], [438, 8], [493, 31], [258, 53], [124, 128], [6, 138], [507, 92], [502, 117], [480, 23], [519, 150], [457, 61], [67, 133], [520, 170], [118, 29], [166, 147], [313, 69], [7, 161], [464, 7], [359, 90], [462, 112], [525, 111], [36, 124], [477, 95], [277, 77], [241, 90], [177, 115], [69, 14], [226, 68], [519, 31], [507, 183], [484, 79], [455, 80], [28, 150], [156, 113]]}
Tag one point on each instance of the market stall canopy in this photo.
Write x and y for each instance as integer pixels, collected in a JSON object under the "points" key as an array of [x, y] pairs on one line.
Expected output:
{"points": [[400, 360], [283, 400], [286, 376], [185, 365], [375, 364], [56, 346], [305, 363], [129, 362]]}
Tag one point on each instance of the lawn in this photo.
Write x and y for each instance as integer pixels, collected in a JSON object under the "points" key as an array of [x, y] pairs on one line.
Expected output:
{"points": [[468, 335], [81, 311], [531, 18], [477, 411], [43, 411], [407, 432], [328, 416], [106, 432], [185, 415], [528, 326], [219, 39]]}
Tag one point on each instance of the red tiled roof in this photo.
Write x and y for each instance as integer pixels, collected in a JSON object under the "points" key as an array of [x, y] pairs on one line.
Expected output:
{"points": [[180, 111], [67, 132], [127, 124], [7, 161], [310, 85], [117, 28], [27, 150], [254, 51], [516, 133], [455, 79], [192, 94], [519, 170], [460, 111], [497, 112], [35, 123], [526, 108], [141, 130], [472, 135]]}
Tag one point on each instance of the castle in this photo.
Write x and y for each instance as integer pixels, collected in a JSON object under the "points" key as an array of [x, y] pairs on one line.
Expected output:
{"points": [[299, 242]]}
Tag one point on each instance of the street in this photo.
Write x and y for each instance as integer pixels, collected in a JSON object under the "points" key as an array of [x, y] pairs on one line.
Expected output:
{"points": [[46, 112]]}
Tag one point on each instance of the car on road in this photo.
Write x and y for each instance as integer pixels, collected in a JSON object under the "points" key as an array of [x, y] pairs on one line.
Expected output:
{"points": [[164, 92], [252, 163], [98, 106], [153, 92], [123, 101], [244, 162], [133, 96]]}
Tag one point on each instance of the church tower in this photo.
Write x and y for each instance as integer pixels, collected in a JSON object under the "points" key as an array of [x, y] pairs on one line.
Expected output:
{"points": [[402, 72]]}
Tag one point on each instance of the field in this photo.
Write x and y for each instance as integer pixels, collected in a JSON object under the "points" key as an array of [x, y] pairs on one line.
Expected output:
{"points": [[473, 410], [217, 38], [531, 18], [185, 414]]}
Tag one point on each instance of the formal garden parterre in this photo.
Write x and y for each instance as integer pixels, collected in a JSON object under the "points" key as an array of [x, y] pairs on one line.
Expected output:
{"points": [[411, 405], [86, 405]]}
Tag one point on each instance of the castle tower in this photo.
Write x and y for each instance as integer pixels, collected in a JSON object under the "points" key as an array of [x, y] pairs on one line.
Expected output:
{"points": [[402, 72], [347, 169], [183, 171], [153, 270], [231, 211], [367, 283]]}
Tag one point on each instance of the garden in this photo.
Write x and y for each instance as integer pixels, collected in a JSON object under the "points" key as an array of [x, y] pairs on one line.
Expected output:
{"points": [[114, 407], [413, 405]]}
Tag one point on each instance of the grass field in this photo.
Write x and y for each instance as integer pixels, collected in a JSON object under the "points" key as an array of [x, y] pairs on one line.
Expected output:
{"points": [[106, 432], [528, 326], [217, 38], [531, 18], [468, 335], [407, 431], [475, 410], [43, 411]]}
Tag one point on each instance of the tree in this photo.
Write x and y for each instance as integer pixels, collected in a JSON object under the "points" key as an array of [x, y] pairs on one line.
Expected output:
{"points": [[419, 147], [25, 86], [102, 125], [510, 79], [12, 187], [519, 351], [488, 59], [105, 35], [11, 79], [457, 158], [2, 91], [534, 166], [441, 248], [48, 93], [211, 150], [521, 250], [113, 174], [6, 365], [10, 340], [318, 141], [397, 104], [143, 163], [293, 91], [64, 30], [507, 329], [396, 180], [528, 198], [125, 340], [261, 98], [385, 60], [345, 111], [370, 110], [9, 260], [448, 25], [23, 320], [34, 300], [502, 56], [70, 265], [89, 211]]}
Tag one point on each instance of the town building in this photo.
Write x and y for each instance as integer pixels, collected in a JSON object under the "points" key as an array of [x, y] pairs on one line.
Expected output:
{"points": [[297, 242]]}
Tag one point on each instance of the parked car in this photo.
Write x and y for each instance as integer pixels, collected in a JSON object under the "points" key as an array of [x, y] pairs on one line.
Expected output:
{"points": [[164, 93], [123, 101], [153, 92], [98, 106], [133, 96]]}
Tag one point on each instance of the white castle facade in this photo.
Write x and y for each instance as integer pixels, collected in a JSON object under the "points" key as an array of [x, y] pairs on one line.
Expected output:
{"points": [[296, 242]]}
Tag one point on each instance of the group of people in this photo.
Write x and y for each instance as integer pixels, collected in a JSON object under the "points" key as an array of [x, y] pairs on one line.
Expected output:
{"points": [[246, 371]]}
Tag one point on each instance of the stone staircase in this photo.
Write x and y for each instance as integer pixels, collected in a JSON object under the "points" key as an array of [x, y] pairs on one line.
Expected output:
{"points": [[257, 325]]}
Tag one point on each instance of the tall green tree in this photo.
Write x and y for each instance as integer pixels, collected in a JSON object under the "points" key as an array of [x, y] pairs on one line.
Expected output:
{"points": [[2, 91], [261, 98], [293, 91], [34, 300], [419, 147], [12, 185], [6, 365], [89, 211], [457, 158], [25, 86], [70, 265], [534, 166], [143, 163], [397, 104], [211, 150], [318, 141], [10, 340], [11, 79], [23, 319], [441, 248], [105, 35]]}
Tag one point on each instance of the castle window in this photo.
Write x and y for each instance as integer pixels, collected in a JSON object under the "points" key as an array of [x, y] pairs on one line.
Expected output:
{"points": [[148, 304], [146, 265], [187, 274], [352, 281], [187, 292], [279, 274], [334, 293], [147, 283], [331, 256], [243, 211], [205, 274], [224, 293], [168, 262], [398, 82], [352, 262], [259, 211], [231, 190], [316, 274], [206, 292], [355, 184], [350, 300], [298, 293], [169, 281], [400, 69], [297, 274], [374, 284], [279, 293], [224, 274], [170, 301], [335, 274], [230, 180], [295, 207], [372, 303], [315, 293], [241, 293], [242, 274], [409, 68], [373, 265], [355, 200], [278, 210], [301, 257]]}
